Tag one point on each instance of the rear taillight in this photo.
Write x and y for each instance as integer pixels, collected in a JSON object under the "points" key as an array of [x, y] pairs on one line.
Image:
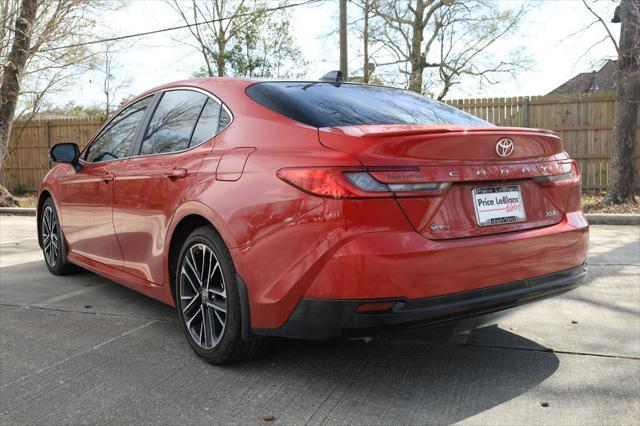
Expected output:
{"points": [[361, 182], [569, 175]]}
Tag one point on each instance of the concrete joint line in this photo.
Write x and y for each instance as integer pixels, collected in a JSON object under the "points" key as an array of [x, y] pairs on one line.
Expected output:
{"points": [[552, 351], [113, 339]]}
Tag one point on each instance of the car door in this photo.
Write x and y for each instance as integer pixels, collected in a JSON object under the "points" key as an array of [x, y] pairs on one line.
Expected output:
{"points": [[85, 199], [153, 183]]}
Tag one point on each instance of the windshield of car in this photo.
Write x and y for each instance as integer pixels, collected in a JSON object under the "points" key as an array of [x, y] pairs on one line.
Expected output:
{"points": [[320, 104]]}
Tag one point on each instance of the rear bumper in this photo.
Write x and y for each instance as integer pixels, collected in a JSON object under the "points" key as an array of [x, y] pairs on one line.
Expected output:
{"points": [[325, 319], [339, 253]]}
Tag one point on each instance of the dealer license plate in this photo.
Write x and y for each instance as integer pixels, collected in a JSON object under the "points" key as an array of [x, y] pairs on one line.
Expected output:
{"points": [[497, 205]]}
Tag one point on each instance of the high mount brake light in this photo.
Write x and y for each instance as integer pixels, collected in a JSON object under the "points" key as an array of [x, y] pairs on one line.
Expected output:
{"points": [[357, 183]]}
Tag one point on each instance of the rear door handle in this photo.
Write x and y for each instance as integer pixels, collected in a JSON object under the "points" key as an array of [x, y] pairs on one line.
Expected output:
{"points": [[107, 177], [175, 173]]}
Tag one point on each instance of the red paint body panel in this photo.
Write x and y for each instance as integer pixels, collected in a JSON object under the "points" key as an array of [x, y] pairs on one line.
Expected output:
{"points": [[287, 244], [85, 208], [387, 265], [145, 198]]}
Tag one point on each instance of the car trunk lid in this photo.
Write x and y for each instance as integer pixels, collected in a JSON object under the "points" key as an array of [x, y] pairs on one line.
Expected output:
{"points": [[486, 193]]}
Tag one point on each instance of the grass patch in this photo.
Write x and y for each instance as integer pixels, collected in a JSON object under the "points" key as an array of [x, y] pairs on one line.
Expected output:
{"points": [[26, 199]]}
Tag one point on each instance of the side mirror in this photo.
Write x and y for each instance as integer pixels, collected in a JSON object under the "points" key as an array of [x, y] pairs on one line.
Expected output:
{"points": [[66, 153]]}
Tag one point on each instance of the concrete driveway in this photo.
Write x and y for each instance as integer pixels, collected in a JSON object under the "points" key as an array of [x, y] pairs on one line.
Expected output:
{"points": [[81, 349]]}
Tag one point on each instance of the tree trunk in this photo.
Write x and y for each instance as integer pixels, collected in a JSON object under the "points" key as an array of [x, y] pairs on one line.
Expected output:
{"points": [[415, 55], [107, 109], [220, 57], [621, 185], [6, 199], [343, 40], [365, 72], [13, 71]]}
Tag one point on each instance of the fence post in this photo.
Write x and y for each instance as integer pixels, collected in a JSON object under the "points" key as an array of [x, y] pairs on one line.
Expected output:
{"points": [[47, 141], [526, 111]]}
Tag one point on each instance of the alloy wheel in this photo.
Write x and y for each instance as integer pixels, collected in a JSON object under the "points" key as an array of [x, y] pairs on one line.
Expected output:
{"points": [[50, 240], [203, 296]]}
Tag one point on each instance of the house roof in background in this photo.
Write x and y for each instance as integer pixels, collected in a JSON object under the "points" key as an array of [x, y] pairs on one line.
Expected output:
{"points": [[605, 79]]}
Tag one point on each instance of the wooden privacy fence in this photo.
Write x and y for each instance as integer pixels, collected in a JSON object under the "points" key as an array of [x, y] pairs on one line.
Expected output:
{"points": [[28, 162], [584, 122]]}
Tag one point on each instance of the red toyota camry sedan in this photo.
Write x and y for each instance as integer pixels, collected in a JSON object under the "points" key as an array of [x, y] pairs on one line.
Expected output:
{"points": [[313, 209]]}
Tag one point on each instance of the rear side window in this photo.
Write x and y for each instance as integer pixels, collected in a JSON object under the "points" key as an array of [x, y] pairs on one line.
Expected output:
{"points": [[225, 120], [320, 104], [173, 122], [207, 125], [115, 140]]}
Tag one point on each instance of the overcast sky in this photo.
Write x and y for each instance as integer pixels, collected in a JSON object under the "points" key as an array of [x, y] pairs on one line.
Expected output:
{"points": [[158, 59]]}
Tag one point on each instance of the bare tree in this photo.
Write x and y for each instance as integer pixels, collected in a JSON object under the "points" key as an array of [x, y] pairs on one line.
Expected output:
{"points": [[109, 69], [214, 39], [14, 65], [33, 62], [451, 37], [621, 184], [364, 28]]}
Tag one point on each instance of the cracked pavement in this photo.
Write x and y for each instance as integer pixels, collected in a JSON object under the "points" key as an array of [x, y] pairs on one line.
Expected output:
{"points": [[81, 349]]}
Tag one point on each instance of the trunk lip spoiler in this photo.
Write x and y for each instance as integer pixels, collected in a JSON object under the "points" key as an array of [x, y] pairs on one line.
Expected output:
{"points": [[398, 130]]}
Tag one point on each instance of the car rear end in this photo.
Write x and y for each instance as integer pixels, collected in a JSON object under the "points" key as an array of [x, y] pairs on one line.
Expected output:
{"points": [[444, 217]]}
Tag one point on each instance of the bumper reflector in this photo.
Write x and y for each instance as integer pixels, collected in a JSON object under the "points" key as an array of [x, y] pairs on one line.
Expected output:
{"points": [[374, 307]]}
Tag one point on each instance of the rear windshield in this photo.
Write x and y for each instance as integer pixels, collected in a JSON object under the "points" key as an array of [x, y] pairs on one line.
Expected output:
{"points": [[320, 104]]}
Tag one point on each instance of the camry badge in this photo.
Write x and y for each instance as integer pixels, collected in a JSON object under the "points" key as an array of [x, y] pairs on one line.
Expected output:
{"points": [[504, 147]]}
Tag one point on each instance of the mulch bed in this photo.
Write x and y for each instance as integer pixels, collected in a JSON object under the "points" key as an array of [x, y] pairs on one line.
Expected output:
{"points": [[594, 204]]}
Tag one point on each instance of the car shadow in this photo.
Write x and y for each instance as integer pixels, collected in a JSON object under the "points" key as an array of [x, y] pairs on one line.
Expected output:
{"points": [[414, 376]]}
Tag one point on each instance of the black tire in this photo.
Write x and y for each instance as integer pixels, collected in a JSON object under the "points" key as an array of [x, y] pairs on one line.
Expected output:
{"points": [[223, 343], [54, 246]]}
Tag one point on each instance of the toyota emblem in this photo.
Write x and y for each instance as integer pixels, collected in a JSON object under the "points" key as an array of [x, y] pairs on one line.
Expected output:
{"points": [[504, 147]]}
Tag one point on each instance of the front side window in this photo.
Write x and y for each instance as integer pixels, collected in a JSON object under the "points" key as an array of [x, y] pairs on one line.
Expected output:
{"points": [[173, 122], [320, 104], [115, 140]]}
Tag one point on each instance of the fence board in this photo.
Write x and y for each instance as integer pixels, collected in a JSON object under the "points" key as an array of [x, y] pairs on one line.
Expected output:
{"points": [[28, 162]]}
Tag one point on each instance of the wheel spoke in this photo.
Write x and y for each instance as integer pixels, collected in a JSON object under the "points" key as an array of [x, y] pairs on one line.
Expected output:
{"points": [[45, 221], [209, 270], [215, 269], [208, 327], [221, 293], [219, 316], [204, 253], [193, 268], [199, 311], [185, 274], [217, 305], [191, 303]]}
